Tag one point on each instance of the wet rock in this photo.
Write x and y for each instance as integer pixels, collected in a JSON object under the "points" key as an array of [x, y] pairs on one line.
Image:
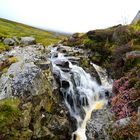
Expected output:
{"points": [[28, 40], [62, 63], [65, 84], [97, 126], [65, 69], [9, 41], [64, 49]]}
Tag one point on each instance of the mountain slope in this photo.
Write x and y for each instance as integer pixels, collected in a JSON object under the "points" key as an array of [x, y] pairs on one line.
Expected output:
{"points": [[117, 49], [9, 29]]}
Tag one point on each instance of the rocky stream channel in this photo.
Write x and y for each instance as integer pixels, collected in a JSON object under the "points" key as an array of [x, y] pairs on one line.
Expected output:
{"points": [[56, 98]]}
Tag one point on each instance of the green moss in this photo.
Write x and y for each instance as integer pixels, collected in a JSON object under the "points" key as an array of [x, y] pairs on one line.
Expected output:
{"points": [[131, 63], [4, 47], [132, 82], [137, 85], [85, 62], [136, 47], [136, 27], [9, 113], [96, 58], [89, 43]]}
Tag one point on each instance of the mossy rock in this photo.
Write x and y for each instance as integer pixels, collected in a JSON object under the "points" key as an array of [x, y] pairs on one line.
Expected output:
{"points": [[101, 35], [122, 35]]}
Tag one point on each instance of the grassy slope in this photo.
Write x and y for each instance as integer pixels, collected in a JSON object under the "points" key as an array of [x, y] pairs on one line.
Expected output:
{"points": [[9, 29]]}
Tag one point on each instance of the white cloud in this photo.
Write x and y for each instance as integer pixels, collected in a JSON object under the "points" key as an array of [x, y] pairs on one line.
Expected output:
{"points": [[70, 15]]}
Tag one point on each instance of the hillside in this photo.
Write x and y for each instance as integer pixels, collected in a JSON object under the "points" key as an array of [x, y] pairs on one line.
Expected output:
{"points": [[85, 87], [9, 29], [117, 49]]}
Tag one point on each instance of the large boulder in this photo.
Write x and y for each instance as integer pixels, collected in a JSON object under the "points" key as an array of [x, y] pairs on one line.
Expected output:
{"points": [[28, 40], [100, 35], [121, 35], [29, 96]]}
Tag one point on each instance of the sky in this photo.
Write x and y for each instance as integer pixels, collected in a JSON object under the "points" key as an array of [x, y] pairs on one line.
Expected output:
{"points": [[70, 15]]}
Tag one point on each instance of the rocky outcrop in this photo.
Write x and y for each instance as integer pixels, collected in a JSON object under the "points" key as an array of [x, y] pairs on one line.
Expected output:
{"points": [[29, 96], [136, 18], [121, 35], [117, 50]]}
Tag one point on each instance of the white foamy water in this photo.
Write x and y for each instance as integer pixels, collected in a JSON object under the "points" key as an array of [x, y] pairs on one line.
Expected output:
{"points": [[81, 93]]}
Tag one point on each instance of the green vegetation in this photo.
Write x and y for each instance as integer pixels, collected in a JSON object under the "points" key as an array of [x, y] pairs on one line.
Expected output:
{"points": [[9, 113], [10, 29], [4, 47], [136, 26]]}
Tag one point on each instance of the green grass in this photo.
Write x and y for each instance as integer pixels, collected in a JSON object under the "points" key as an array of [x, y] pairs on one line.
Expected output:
{"points": [[4, 47], [9, 29], [9, 112]]}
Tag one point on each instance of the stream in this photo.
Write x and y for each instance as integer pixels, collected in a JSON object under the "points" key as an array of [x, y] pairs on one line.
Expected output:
{"points": [[81, 92]]}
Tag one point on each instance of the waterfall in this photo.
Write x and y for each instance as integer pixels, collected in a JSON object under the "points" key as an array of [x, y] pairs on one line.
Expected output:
{"points": [[81, 93]]}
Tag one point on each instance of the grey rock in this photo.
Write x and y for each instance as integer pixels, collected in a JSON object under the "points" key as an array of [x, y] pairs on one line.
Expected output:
{"points": [[97, 126], [28, 40], [22, 76], [136, 18], [22, 80], [9, 41]]}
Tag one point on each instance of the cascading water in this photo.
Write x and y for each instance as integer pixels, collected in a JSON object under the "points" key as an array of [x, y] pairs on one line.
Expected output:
{"points": [[81, 93]]}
